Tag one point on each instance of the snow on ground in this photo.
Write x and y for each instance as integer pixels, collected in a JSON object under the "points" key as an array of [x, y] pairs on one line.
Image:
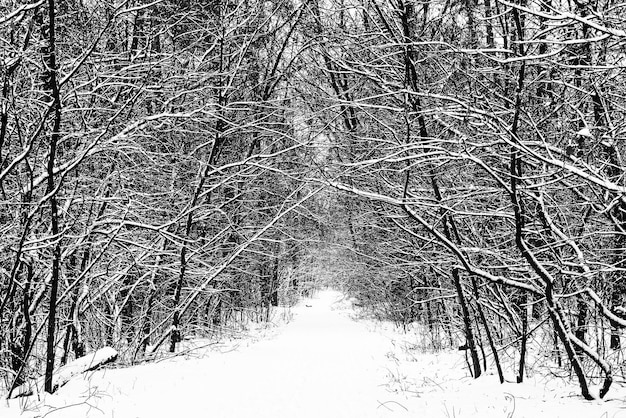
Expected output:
{"points": [[444, 388], [322, 364]]}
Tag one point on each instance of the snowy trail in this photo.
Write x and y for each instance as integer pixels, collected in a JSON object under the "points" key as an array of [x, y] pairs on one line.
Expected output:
{"points": [[322, 364]]}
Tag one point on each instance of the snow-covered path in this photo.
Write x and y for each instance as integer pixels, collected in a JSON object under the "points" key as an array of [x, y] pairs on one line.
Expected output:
{"points": [[322, 364]]}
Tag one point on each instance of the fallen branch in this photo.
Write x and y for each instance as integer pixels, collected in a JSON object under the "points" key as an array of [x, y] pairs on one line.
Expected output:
{"points": [[64, 374]]}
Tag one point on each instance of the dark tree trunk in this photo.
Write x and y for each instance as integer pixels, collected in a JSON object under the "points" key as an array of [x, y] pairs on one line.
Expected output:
{"points": [[469, 334], [52, 88], [524, 339], [483, 319], [580, 330]]}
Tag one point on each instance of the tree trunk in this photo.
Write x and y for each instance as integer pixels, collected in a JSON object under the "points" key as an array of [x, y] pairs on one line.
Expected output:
{"points": [[52, 86], [483, 319], [469, 334], [523, 343]]}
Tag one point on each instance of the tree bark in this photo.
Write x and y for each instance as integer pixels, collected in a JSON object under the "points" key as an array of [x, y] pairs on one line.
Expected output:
{"points": [[50, 75]]}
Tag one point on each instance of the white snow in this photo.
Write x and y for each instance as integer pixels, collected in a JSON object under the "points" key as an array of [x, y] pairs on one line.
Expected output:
{"points": [[322, 364], [585, 132]]}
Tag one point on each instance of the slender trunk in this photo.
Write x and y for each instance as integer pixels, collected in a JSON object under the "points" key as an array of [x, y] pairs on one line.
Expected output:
{"points": [[557, 349], [483, 319], [518, 207], [51, 76], [469, 334], [489, 27], [406, 11], [28, 326], [20, 331], [617, 215], [479, 341], [146, 325], [524, 340], [72, 337], [216, 319], [175, 335], [580, 330], [560, 328]]}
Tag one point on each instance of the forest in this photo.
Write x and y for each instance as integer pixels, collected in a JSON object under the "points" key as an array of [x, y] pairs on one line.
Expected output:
{"points": [[171, 169]]}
